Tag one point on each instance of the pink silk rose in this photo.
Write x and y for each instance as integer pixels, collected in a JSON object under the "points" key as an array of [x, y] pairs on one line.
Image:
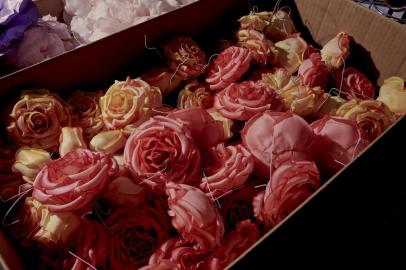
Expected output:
{"points": [[336, 51], [261, 48], [234, 244], [162, 150], [181, 253], [273, 137], [314, 72], [354, 84], [226, 168], [290, 185], [37, 119], [133, 236], [194, 216], [337, 142], [73, 182], [241, 101], [228, 67], [195, 94]]}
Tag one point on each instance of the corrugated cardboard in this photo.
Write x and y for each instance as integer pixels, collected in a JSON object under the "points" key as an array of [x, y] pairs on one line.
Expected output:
{"points": [[338, 210]]}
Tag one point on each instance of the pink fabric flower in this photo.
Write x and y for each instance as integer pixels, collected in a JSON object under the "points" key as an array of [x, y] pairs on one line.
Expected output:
{"points": [[337, 142], [273, 137], [354, 84], [291, 184], [313, 71], [194, 216], [73, 182], [226, 168], [162, 150], [228, 67], [241, 101]]}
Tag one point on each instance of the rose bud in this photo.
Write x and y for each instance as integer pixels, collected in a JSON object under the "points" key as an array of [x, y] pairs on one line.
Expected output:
{"points": [[163, 265], [110, 141], [328, 105], [261, 48], [280, 27], [241, 101], [195, 95], [194, 216], [185, 57], [234, 244], [314, 72], [276, 80], [133, 236], [122, 168], [273, 137], [205, 131], [228, 67], [86, 113], [372, 116], [73, 182], [37, 119], [353, 84], [336, 51], [301, 99], [162, 150], [227, 123], [128, 103], [256, 75], [122, 191], [29, 161], [163, 78], [226, 168], [393, 94], [255, 21], [290, 53], [183, 254], [71, 138], [337, 142], [290, 185]]}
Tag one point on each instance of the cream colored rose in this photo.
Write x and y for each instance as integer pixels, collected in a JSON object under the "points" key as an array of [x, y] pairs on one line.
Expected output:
{"points": [[127, 104], [291, 53], [195, 94], [122, 191], [393, 94], [227, 123], [29, 161], [335, 51], [276, 80], [109, 141], [328, 105], [71, 138]]}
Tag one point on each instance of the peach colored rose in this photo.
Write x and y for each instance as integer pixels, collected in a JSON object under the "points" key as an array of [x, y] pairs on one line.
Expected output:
{"points": [[86, 113], [276, 80], [336, 51], [122, 167], [110, 141], [29, 161], [354, 84], [290, 53], [393, 94], [234, 244], [313, 71], [228, 67], [328, 105], [255, 21], [273, 137], [185, 57], [37, 119], [195, 95], [166, 80], [280, 26], [127, 104], [226, 168], [73, 182], [162, 150], [337, 142], [71, 138], [241, 101], [122, 191], [291, 184], [194, 216], [227, 123], [261, 48], [372, 116], [133, 236]]}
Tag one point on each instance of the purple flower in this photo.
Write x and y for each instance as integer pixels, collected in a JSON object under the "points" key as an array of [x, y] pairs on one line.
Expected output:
{"points": [[16, 16]]}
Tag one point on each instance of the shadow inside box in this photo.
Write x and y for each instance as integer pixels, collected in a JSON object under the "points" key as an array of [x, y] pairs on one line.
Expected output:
{"points": [[357, 219]]}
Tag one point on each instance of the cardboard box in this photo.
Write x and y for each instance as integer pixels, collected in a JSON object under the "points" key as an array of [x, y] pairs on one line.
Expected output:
{"points": [[345, 206]]}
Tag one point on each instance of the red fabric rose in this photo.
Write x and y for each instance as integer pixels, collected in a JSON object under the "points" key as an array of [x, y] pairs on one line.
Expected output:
{"points": [[73, 182], [313, 71], [291, 184], [273, 137], [228, 67], [226, 168], [241, 101], [354, 84], [162, 150], [234, 244], [337, 142], [194, 216], [133, 236]]}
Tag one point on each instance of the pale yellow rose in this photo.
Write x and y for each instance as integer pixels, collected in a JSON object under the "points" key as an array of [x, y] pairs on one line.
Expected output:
{"points": [[328, 105], [71, 138], [29, 161], [335, 51], [122, 191], [393, 94], [227, 123], [276, 80], [195, 94], [109, 141], [290, 53]]}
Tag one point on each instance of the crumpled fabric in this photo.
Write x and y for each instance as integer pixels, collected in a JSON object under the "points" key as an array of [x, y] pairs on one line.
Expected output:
{"points": [[48, 39], [91, 20]]}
